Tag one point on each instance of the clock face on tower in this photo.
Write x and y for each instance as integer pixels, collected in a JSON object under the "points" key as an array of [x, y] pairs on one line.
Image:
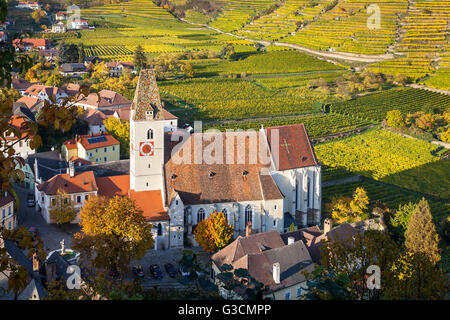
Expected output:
{"points": [[146, 148]]}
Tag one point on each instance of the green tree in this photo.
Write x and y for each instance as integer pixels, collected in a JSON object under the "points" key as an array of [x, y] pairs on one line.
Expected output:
{"points": [[421, 235], [395, 119], [62, 209], [81, 54], [55, 80], [399, 221], [227, 51], [139, 59]]}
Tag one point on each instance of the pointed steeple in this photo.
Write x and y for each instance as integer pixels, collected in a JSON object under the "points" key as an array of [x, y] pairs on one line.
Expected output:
{"points": [[147, 102]]}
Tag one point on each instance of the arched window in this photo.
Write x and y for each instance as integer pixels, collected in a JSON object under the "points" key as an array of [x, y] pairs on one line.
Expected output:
{"points": [[150, 134], [248, 214], [159, 229], [200, 215]]}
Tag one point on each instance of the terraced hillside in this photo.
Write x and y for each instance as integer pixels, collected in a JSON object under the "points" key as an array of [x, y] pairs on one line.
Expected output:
{"points": [[423, 38]]}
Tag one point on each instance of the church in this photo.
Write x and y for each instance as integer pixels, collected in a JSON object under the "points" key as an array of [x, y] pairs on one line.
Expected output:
{"points": [[267, 179], [267, 194]]}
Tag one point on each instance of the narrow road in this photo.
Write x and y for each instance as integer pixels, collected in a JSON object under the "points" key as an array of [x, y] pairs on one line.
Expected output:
{"points": [[334, 55]]}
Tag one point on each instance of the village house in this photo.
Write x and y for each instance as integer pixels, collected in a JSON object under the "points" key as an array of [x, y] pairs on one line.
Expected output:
{"points": [[116, 68], [19, 84], [104, 100], [8, 217], [46, 165], [43, 92], [78, 24], [97, 148], [277, 260], [61, 16], [59, 27], [28, 44], [270, 261], [50, 55], [22, 147], [78, 187], [75, 70], [28, 5]]}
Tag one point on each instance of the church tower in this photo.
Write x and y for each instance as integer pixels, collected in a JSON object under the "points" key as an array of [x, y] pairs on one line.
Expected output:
{"points": [[146, 135]]}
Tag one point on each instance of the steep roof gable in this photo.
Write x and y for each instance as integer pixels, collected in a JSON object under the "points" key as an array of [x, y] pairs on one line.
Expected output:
{"points": [[146, 97], [294, 148]]}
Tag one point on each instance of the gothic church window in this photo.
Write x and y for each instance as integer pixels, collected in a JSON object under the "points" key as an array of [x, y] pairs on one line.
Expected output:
{"points": [[200, 215], [248, 214]]}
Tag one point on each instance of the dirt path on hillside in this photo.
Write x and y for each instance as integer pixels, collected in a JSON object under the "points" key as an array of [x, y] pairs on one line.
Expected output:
{"points": [[331, 55]]}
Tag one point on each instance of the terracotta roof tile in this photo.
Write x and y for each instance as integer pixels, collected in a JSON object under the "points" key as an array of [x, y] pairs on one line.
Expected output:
{"points": [[107, 141], [151, 203], [113, 186], [81, 182], [295, 150], [218, 183]]}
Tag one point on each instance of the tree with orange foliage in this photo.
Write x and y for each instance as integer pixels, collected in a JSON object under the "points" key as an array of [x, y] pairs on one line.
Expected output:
{"points": [[114, 232], [214, 233]]}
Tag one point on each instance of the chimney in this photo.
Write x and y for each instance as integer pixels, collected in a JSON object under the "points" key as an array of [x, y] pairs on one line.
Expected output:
{"points": [[248, 229], [35, 263], [71, 169], [327, 225], [276, 272], [291, 240]]}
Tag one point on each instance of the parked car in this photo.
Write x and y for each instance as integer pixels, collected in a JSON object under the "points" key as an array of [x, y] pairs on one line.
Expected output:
{"points": [[171, 270], [30, 200], [34, 231], [138, 271], [155, 271]]}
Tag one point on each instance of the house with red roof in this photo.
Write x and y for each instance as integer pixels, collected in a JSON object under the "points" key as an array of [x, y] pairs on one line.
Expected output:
{"points": [[28, 44], [78, 186], [96, 148], [104, 100], [116, 68], [22, 147]]}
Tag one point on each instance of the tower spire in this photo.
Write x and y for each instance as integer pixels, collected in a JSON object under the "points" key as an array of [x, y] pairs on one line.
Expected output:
{"points": [[147, 102]]}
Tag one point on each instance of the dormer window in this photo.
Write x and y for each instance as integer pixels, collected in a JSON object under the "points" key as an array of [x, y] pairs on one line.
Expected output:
{"points": [[212, 174], [244, 173], [173, 176], [149, 115]]}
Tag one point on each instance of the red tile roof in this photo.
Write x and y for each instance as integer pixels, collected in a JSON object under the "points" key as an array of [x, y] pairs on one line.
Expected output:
{"points": [[150, 202], [168, 116], [81, 182], [295, 150], [107, 99], [113, 186], [30, 43], [17, 122], [110, 141], [70, 144], [30, 102]]}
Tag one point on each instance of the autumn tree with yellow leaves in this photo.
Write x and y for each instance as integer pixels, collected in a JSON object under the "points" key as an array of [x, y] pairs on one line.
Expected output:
{"points": [[121, 131], [346, 209], [62, 210], [214, 233], [114, 231]]}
